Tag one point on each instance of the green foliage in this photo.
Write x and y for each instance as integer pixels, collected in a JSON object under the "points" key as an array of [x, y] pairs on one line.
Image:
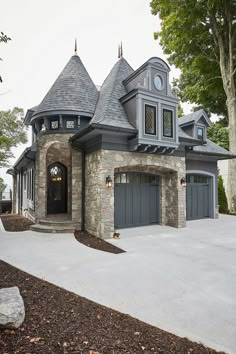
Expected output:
{"points": [[218, 132], [222, 199], [2, 185], [188, 37], [4, 39], [12, 132], [180, 110]]}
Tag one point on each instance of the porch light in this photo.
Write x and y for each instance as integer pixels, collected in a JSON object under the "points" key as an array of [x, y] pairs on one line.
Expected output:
{"points": [[183, 182], [108, 181]]}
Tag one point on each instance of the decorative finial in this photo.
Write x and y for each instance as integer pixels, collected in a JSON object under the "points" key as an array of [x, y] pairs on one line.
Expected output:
{"points": [[120, 50], [76, 46]]}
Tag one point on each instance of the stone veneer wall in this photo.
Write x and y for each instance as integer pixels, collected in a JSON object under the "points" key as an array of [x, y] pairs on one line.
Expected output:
{"points": [[56, 148], [99, 207]]}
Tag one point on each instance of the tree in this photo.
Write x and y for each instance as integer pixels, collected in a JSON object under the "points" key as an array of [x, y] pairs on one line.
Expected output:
{"points": [[12, 132], [3, 38], [223, 205], [218, 132], [199, 37], [3, 186]]}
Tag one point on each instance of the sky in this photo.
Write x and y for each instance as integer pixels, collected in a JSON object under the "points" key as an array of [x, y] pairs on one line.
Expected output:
{"points": [[43, 35]]}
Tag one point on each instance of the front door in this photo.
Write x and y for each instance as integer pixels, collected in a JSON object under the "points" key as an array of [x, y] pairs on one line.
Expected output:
{"points": [[57, 189]]}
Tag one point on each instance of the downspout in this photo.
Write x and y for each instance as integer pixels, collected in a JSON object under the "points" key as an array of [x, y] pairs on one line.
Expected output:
{"points": [[83, 185]]}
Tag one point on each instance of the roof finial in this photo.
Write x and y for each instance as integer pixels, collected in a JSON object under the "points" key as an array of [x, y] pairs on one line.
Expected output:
{"points": [[120, 50], [75, 46]]}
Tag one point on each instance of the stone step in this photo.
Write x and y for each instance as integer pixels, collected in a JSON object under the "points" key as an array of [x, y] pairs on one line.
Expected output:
{"points": [[56, 223], [53, 229]]}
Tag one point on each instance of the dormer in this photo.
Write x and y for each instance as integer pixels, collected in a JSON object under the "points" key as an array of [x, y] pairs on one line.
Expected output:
{"points": [[151, 106], [195, 125]]}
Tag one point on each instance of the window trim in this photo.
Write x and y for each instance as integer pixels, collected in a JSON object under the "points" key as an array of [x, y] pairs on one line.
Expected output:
{"points": [[172, 123], [203, 132], [155, 120]]}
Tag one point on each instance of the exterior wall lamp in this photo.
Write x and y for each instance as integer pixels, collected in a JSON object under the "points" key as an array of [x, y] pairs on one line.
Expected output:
{"points": [[108, 181], [183, 182]]}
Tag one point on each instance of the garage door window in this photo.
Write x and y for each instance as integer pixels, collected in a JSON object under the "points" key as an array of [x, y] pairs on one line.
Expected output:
{"points": [[136, 178], [197, 179]]}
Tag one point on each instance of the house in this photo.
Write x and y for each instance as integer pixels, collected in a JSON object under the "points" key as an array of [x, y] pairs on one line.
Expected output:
{"points": [[115, 157]]}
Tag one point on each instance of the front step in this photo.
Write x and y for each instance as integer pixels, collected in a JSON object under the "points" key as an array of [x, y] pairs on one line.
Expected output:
{"points": [[63, 228], [57, 223]]}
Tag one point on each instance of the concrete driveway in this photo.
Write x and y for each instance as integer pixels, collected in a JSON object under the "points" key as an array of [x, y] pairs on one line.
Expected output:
{"points": [[181, 280]]}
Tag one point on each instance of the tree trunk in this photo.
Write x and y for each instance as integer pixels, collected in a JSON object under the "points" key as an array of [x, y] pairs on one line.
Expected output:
{"points": [[231, 105]]}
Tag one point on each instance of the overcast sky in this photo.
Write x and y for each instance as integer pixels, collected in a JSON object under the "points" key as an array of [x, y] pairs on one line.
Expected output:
{"points": [[43, 34]]}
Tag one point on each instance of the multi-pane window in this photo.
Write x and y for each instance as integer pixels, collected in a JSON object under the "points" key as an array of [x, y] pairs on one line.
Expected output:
{"points": [[70, 124], [150, 120], [197, 179], [54, 124], [136, 178], [167, 123], [200, 133]]}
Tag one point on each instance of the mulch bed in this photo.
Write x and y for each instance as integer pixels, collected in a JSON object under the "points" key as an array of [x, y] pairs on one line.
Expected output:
{"points": [[95, 242], [58, 321], [12, 222]]}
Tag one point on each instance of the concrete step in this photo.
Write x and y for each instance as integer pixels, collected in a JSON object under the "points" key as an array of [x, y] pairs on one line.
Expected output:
{"points": [[53, 229]]}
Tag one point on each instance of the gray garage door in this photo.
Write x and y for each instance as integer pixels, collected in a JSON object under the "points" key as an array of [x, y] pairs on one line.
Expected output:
{"points": [[136, 199], [198, 197]]}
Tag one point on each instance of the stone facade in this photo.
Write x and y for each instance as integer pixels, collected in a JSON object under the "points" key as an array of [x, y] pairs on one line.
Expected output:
{"points": [[53, 148], [99, 208]]}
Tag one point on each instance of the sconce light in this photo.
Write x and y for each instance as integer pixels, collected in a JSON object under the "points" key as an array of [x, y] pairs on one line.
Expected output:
{"points": [[108, 181], [183, 182]]}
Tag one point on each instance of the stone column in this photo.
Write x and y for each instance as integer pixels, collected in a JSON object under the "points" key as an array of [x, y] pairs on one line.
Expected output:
{"points": [[76, 187]]}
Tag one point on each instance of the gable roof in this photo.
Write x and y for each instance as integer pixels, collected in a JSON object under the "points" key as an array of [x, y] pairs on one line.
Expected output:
{"points": [[194, 118], [109, 110], [73, 90]]}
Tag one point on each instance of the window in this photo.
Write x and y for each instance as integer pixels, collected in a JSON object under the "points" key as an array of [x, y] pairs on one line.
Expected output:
{"points": [[200, 133], [167, 123], [70, 124], [150, 120], [54, 124]]}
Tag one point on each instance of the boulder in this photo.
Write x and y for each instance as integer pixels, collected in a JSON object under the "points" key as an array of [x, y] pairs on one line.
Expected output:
{"points": [[12, 309]]}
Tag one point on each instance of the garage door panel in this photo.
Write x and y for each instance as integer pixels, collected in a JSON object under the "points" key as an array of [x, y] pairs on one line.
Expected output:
{"points": [[145, 204], [154, 204], [136, 204], [197, 197], [129, 205], [137, 200], [120, 201]]}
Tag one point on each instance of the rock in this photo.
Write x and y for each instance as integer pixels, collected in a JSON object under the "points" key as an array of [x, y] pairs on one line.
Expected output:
{"points": [[12, 309]]}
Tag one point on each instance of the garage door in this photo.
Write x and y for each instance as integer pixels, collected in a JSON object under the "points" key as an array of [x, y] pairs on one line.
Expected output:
{"points": [[136, 199], [198, 197]]}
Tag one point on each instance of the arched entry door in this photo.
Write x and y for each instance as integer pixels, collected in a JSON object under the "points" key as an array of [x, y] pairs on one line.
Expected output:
{"points": [[57, 189]]}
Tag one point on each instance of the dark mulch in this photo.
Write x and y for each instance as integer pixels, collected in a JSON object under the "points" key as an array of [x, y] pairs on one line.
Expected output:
{"points": [[95, 242], [13, 222], [58, 321]]}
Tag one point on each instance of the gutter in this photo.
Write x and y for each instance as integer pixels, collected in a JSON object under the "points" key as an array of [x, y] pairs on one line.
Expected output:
{"points": [[83, 184]]}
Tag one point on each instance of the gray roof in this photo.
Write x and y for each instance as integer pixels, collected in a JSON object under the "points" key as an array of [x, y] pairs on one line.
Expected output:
{"points": [[212, 148], [109, 110], [73, 90], [193, 117]]}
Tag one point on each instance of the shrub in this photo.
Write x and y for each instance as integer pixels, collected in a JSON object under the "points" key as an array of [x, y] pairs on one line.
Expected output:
{"points": [[223, 204]]}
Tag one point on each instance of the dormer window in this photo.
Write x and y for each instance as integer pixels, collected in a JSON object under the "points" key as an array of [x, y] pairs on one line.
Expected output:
{"points": [[167, 123], [200, 133], [150, 120]]}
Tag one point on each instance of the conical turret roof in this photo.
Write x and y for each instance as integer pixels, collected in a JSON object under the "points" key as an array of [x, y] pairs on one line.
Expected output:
{"points": [[109, 110], [73, 90]]}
